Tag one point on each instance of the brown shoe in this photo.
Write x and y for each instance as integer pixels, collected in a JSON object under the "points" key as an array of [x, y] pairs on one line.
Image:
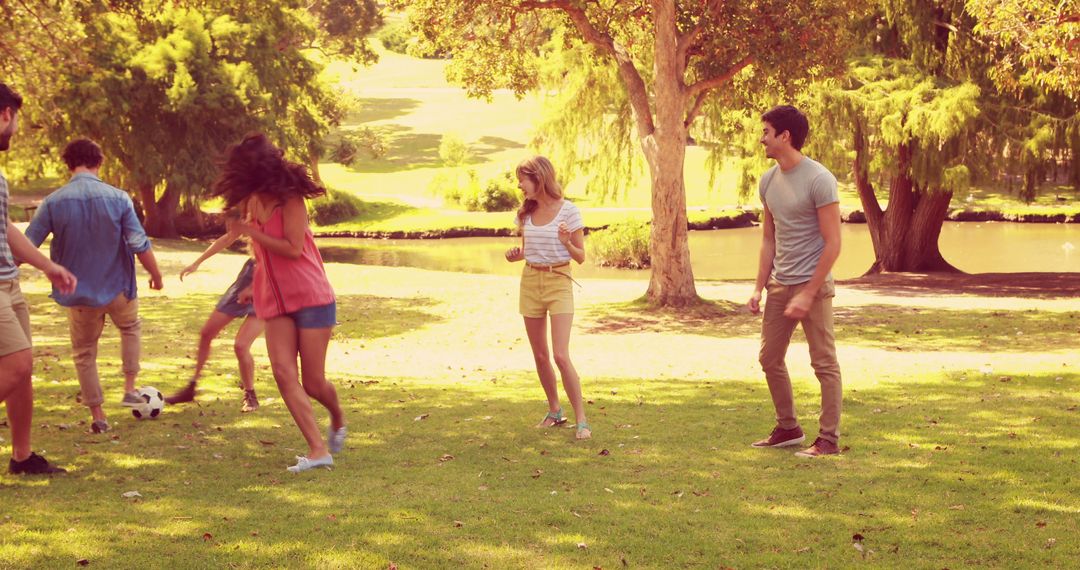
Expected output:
{"points": [[186, 394], [781, 437], [251, 401], [821, 447]]}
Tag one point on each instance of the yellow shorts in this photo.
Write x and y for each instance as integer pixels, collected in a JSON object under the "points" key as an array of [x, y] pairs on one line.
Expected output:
{"points": [[544, 292], [14, 319]]}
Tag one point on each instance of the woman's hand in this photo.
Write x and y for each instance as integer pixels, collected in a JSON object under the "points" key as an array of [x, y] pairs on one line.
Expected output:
{"points": [[514, 254], [189, 270], [564, 234]]}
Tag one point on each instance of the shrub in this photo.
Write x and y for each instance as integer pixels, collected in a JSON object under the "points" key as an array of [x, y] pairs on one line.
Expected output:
{"points": [[351, 144], [334, 207], [453, 151], [624, 245], [500, 194]]}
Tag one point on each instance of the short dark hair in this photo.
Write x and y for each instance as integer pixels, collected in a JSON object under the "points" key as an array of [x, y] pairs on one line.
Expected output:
{"points": [[9, 98], [82, 152], [788, 118]]}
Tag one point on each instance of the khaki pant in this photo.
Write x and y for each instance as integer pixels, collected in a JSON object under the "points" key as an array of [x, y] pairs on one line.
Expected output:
{"points": [[14, 319], [86, 324], [776, 330]]}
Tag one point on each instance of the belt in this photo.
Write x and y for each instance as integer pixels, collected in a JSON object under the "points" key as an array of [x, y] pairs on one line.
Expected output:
{"points": [[548, 268], [552, 268]]}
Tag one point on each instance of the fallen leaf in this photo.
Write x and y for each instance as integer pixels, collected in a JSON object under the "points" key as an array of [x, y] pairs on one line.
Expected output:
{"points": [[482, 488], [1040, 524], [604, 452], [207, 536], [582, 545], [446, 457], [458, 524], [536, 474], [421, 417], [956, 508], [1050, 543], [392, 566], [266, 442], [131, 494], [608, 490], [83, 562]]}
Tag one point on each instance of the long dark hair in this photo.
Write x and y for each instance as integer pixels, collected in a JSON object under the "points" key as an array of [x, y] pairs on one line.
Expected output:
{"points": [[256, 166]]}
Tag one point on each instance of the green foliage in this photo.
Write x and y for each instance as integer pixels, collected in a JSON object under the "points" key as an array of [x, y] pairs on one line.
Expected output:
{"points": [[1034, 43], [165, 86], [453, 151], [364, 140], [499, 194], [399, 37], [334, 207], [624, 245]]}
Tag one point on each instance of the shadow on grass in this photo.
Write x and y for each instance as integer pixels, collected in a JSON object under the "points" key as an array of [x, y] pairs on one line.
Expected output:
{"points": [[945, 469], [886, 326], [1031, 285], [378, 109]]}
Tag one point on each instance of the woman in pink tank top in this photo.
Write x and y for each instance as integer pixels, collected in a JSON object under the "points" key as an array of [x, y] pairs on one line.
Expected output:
{"points": [[290, 289]]}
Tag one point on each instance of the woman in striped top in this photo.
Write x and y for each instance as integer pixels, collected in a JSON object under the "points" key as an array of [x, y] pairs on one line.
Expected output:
{"points": [[290, 289], [552, 234]]}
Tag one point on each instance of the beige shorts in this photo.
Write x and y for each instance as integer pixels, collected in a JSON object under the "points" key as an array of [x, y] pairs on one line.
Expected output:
{"points": [[14, 319], [546, 292]]}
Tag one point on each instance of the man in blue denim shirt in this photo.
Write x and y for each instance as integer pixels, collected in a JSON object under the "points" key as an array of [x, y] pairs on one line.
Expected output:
{"points": [[95, 234]]}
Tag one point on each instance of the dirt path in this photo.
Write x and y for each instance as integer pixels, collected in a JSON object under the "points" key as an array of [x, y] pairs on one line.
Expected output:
{"points": [[476, 333]]}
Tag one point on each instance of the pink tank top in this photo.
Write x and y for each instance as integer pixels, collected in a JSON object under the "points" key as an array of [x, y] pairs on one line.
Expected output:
{"points": [[282, 285]]}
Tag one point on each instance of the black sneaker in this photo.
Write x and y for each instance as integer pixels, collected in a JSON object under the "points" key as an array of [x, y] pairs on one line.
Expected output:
{"points": [[33, 465]]}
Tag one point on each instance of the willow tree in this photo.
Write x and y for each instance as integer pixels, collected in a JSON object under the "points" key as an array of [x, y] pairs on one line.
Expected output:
{"points": [[926, 110], [669, 59]]}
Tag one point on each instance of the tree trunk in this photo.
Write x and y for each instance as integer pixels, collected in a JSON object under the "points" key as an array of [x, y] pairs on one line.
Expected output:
{"points": [[313, 163], [159, 214], [906, 236], [672, 281]]}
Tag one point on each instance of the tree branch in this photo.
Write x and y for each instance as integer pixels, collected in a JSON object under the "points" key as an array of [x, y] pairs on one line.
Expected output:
{"points": [[632, 81], [718, 80], [690, 38], [700, 90]]}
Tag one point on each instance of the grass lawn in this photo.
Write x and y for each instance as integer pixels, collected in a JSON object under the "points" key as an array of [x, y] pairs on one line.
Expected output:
{"points": [[960, 439]]}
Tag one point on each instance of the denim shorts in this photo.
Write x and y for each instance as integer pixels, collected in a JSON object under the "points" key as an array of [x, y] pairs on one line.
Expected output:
{"points": [[321, 317], [230, 302]]}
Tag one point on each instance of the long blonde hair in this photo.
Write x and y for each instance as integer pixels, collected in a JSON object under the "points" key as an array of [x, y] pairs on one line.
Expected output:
{"points": [[542, 173]]}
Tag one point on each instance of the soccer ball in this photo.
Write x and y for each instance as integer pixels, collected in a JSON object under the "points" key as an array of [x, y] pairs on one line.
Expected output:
{"points": [[152, 404]]}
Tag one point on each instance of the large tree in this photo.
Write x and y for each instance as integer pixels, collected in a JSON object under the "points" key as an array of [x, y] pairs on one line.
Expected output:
{"points": [[165, 85], [673, 61], [922, 113]]}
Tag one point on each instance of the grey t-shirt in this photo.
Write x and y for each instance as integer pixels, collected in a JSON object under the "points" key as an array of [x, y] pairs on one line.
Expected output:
{"points": [[793, 198]]}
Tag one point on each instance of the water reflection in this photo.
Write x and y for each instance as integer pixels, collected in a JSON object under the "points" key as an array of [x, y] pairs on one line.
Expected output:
{"points": [[732, 254]]}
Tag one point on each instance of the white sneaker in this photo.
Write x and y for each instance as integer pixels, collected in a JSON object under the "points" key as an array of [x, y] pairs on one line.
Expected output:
{"points": [[303, 463], [335, 439]]}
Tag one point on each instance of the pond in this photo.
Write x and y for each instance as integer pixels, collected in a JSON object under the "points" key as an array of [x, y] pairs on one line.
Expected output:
{"points": [[973, 247]]}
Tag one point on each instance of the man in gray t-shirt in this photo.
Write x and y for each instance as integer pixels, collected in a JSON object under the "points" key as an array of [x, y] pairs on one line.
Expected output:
{"points": [[800, 243]]}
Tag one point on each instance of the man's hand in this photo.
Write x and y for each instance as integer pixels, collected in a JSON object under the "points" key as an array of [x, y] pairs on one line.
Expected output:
{"points": [[61, 278], [155, 282], [799, 305], [754, 304]]}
